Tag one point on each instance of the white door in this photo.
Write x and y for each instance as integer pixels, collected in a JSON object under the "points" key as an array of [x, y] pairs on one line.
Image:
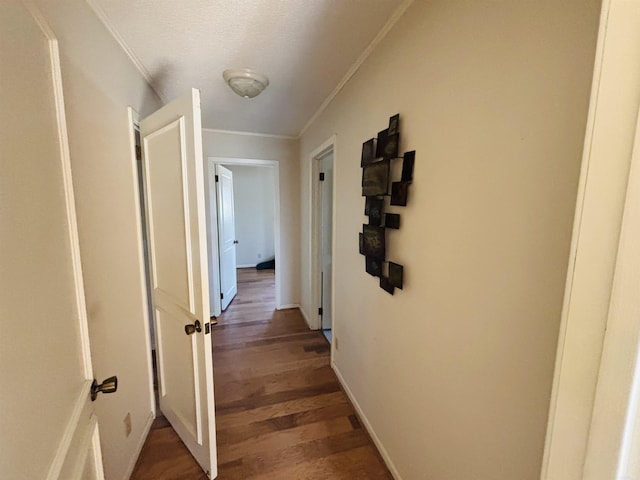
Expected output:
{"points": [[226, 236], [47, 423], [174, 179], [326, 234]]}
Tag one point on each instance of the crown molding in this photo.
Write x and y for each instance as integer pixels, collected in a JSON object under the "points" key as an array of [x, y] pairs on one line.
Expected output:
{"points": [[251, 134], [354, 68], [100, 13]]}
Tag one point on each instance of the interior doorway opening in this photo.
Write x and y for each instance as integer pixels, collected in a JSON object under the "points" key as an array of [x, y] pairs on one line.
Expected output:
{"points": [[322, 235], [143, 226], [243, 225], [145, 267]]}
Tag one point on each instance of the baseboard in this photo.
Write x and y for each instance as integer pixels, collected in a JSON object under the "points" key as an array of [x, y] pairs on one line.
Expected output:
{"points": [[253, 265], [305, 316], [287, 306], [143, 438], [365, 421]]}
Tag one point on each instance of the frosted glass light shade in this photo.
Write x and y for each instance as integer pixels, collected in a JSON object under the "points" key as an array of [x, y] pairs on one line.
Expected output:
{"points": [[245, 82]]}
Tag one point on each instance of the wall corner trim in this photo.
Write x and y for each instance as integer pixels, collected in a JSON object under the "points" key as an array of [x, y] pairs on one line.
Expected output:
{"points": [[360, 60], [367, 425]]}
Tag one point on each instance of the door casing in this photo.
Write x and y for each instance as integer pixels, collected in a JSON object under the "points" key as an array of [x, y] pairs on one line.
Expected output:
{"points": [[597, 300], [212, 229], [315, 246], [134, 124]]}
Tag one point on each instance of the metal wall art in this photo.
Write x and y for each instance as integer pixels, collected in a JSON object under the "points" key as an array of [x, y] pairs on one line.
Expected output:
{"points": [[377, 157]]}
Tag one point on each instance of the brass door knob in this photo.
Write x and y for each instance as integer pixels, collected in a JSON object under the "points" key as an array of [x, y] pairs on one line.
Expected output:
{"points": [[110, 385], [191, 328]]}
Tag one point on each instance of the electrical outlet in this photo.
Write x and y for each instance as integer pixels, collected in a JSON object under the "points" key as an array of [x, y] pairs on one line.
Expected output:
{"points": [[259, 255], [127, 424]]}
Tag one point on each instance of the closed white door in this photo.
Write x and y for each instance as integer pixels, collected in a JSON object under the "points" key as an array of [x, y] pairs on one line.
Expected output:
{"points": [[175, 194], [226, 236], [48, 427]]}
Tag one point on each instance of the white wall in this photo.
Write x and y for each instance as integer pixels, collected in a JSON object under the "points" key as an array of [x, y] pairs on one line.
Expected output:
{"points": [[453, 374], [254, 203], [99, 83], [285, 152]]}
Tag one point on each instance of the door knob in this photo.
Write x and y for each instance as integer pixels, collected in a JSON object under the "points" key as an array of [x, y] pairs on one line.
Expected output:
{"points": [[191, 328], [235, 242], [110, 385]]}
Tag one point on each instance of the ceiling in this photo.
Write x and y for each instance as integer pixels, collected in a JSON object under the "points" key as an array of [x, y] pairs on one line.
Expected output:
{"points": [[305, 47]]}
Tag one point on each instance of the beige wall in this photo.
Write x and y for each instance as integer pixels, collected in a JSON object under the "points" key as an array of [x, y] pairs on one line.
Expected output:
{"points": [[99, 83], [285, 152], [454, 373]]}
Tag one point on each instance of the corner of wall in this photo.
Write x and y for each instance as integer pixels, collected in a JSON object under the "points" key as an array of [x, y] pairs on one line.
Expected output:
{"points": [[134, 458], [305, 316]]}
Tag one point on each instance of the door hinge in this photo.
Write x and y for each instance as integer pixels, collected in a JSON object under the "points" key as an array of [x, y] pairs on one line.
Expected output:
{"points": [[322, 176], [217, 178], [320, 311], [221, 296]]}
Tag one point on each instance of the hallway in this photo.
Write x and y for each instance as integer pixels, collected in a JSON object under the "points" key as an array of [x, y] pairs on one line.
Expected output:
{"points": [[280, 411]]}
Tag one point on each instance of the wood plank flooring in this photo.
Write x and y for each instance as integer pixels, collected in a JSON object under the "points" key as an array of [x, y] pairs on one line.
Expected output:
{"points": [[280, 411]]}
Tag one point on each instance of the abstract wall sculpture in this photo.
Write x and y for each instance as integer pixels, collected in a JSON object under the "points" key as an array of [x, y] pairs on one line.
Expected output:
{"points": [[377, 157]]}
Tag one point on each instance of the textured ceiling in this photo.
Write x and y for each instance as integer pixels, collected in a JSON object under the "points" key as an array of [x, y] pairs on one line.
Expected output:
{"points": [[305, 47]]}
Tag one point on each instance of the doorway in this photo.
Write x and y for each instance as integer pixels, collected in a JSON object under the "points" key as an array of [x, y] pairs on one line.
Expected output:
{"points": [[252, 200], [322, 238], [143, 245], [135, 121]]}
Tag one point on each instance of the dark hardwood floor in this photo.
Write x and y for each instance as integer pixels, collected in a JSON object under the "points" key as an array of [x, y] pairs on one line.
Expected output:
{"points": [[280, 411]]}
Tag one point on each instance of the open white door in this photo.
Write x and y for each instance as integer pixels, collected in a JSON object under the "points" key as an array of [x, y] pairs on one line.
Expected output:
{"points": [[174, 178], [226, 236], [49, 430]]}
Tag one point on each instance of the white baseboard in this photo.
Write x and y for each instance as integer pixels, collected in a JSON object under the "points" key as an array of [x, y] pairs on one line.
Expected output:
{"points": [[367, 425], [305, 316], [143, 438], [253, 265], [287, 306]]}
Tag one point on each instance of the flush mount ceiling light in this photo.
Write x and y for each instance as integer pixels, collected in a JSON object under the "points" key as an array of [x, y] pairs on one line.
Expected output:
{"points": [[245, 82]]}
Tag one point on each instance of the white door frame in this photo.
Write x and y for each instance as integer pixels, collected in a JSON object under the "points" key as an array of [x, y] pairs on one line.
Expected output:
{"points": [[134, 124], [214, 246], [615, 425], [595, 387], [315, 245]]}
